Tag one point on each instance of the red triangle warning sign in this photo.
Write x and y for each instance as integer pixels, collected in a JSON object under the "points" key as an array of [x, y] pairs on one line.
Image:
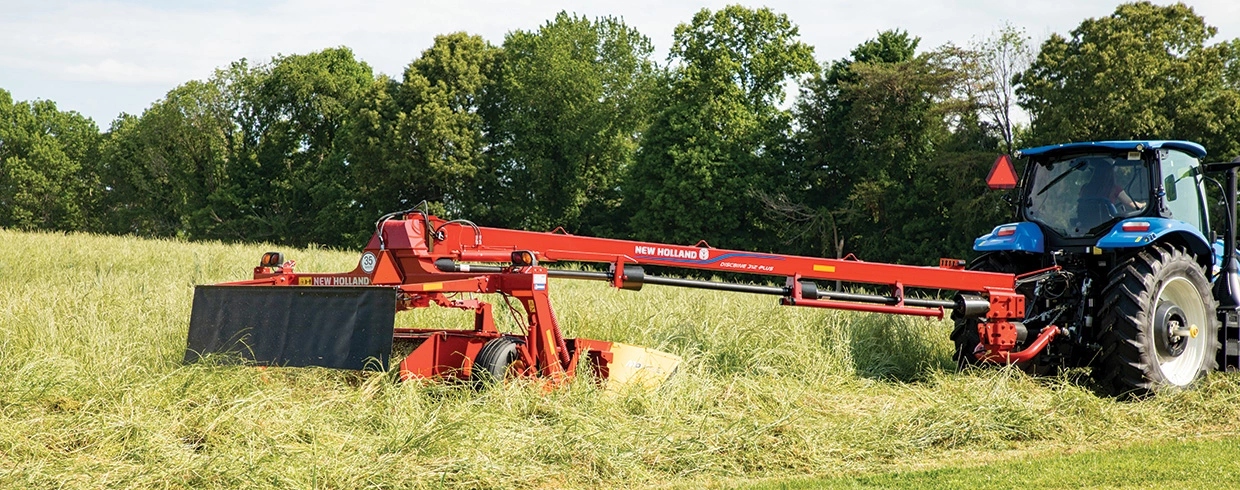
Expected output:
{"points": [[1002, 174]]}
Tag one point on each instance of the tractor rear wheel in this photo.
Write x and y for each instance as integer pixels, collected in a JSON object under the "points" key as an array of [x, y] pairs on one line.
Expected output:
{"points": [[1160, 329], [499, 360]]}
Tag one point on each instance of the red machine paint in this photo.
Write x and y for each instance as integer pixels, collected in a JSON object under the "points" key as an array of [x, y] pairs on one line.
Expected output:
{"points": [[1028, 353], [409, 254]]}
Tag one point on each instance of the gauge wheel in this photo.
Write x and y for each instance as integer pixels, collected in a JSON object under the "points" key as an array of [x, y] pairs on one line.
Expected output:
{"points": [[1161, 330], [498, 361]]}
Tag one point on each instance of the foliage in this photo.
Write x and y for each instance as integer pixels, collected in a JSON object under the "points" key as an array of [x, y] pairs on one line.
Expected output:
{"points": [[251, 154], [167, 169], [995, 65], [719, 133], [1144, 72], [423, 138], [48, 179], [888, 149], [564, 121], [292, 183]]}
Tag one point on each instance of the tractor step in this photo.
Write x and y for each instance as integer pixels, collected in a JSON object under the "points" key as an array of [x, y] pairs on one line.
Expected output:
{"points": [[333, 327], [1229, 337]]}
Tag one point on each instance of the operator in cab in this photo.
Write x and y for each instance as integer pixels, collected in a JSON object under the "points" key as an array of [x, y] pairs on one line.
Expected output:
{"points": [[1102, 184]]}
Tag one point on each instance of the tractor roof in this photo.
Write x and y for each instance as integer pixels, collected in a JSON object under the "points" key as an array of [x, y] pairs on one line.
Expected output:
{"points": [[1187, 146]]}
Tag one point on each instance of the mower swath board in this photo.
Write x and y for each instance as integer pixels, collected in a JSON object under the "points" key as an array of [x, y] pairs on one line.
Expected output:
{"points": [[333, 327]]}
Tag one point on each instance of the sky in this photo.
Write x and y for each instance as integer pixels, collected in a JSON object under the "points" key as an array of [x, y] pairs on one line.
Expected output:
{"points": [[102, 58]]}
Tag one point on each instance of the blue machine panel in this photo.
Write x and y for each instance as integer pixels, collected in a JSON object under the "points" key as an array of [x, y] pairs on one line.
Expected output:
{"points": [[1024, 237], [1158, 228]]}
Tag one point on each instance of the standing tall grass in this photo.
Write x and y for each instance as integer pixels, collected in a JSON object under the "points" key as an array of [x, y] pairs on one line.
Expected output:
{"points": [[93, 393]]}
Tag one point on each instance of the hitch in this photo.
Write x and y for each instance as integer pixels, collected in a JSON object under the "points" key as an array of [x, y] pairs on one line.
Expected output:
{"points": [[1007, 357]]}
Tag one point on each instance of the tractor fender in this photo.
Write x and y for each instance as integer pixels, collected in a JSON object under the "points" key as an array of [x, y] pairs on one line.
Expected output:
{"points": [[1025, 236], [1160, 230]]}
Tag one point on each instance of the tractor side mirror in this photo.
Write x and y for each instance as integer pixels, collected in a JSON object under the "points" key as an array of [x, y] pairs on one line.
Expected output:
{"points": [[1222, 166], [1169, 187], [1002, 174]]}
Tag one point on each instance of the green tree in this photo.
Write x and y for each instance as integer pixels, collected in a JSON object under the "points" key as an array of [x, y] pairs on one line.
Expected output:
{"points": [[254, 153], [995, 63], [1145, 71], [719, 136], [423, 138], [892, 152], [47, 167], [294, 184], [167, 169], [571, 99]]}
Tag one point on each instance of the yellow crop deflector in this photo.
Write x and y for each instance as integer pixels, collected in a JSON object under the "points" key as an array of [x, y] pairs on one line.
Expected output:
{"points": [[633, 365]]}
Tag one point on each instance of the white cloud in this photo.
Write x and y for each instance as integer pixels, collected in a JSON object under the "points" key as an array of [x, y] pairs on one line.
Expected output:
{"points": [[110, 70]]}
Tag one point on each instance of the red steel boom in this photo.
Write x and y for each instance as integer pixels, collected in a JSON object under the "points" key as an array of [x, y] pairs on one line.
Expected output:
{"points": [[425, 260]]}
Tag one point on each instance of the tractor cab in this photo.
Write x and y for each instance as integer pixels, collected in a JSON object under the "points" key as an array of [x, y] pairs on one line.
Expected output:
{"points": [[1076, 196], [1081, 196], [1081, 191]]}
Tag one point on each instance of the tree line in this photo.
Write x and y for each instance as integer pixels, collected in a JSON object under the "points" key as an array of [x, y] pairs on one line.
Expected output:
{"points": [[574, 124]]}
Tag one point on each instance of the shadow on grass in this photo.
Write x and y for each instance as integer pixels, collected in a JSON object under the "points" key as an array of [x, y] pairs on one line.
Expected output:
{"points": [[898, 348]]}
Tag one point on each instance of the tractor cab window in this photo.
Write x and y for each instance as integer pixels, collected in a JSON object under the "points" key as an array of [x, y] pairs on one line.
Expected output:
{"points": [[1181, 184], [1080, 195]]}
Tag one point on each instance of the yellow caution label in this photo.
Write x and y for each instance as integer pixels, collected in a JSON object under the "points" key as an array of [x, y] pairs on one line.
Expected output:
{"points": [[824, 268], [434, 286], [305, 281], [551, 344], [1096, 250]]}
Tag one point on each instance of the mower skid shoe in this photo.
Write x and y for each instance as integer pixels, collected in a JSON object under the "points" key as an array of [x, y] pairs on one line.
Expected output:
{"points": [[332, 327]]}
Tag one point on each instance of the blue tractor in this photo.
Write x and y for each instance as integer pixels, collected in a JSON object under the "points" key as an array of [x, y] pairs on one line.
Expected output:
{"points": [[1113, 244]]}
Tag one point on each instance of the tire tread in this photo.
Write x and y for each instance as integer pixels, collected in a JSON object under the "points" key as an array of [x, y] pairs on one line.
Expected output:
{"points": [[1124, 366]]}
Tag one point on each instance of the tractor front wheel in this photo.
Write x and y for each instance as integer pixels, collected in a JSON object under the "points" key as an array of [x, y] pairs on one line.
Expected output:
{"points": [[1160, 325]]}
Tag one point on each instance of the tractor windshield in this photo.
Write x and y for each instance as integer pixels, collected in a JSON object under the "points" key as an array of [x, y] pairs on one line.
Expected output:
{"points": [[1077, 195]]}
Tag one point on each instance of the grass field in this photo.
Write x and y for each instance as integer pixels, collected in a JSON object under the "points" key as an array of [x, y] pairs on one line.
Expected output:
{"points": [[1190, 464], [93, 394]]}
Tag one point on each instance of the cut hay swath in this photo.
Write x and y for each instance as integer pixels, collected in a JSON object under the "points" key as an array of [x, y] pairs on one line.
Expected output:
{"points": [[95, 393]]}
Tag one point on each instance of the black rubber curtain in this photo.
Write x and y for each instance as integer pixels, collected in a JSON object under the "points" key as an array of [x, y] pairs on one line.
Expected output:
{"points": [[333, 327]]}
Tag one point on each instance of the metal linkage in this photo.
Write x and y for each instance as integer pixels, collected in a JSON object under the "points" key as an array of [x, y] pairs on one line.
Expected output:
{"points": [[447, 265], [497, 244]]}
